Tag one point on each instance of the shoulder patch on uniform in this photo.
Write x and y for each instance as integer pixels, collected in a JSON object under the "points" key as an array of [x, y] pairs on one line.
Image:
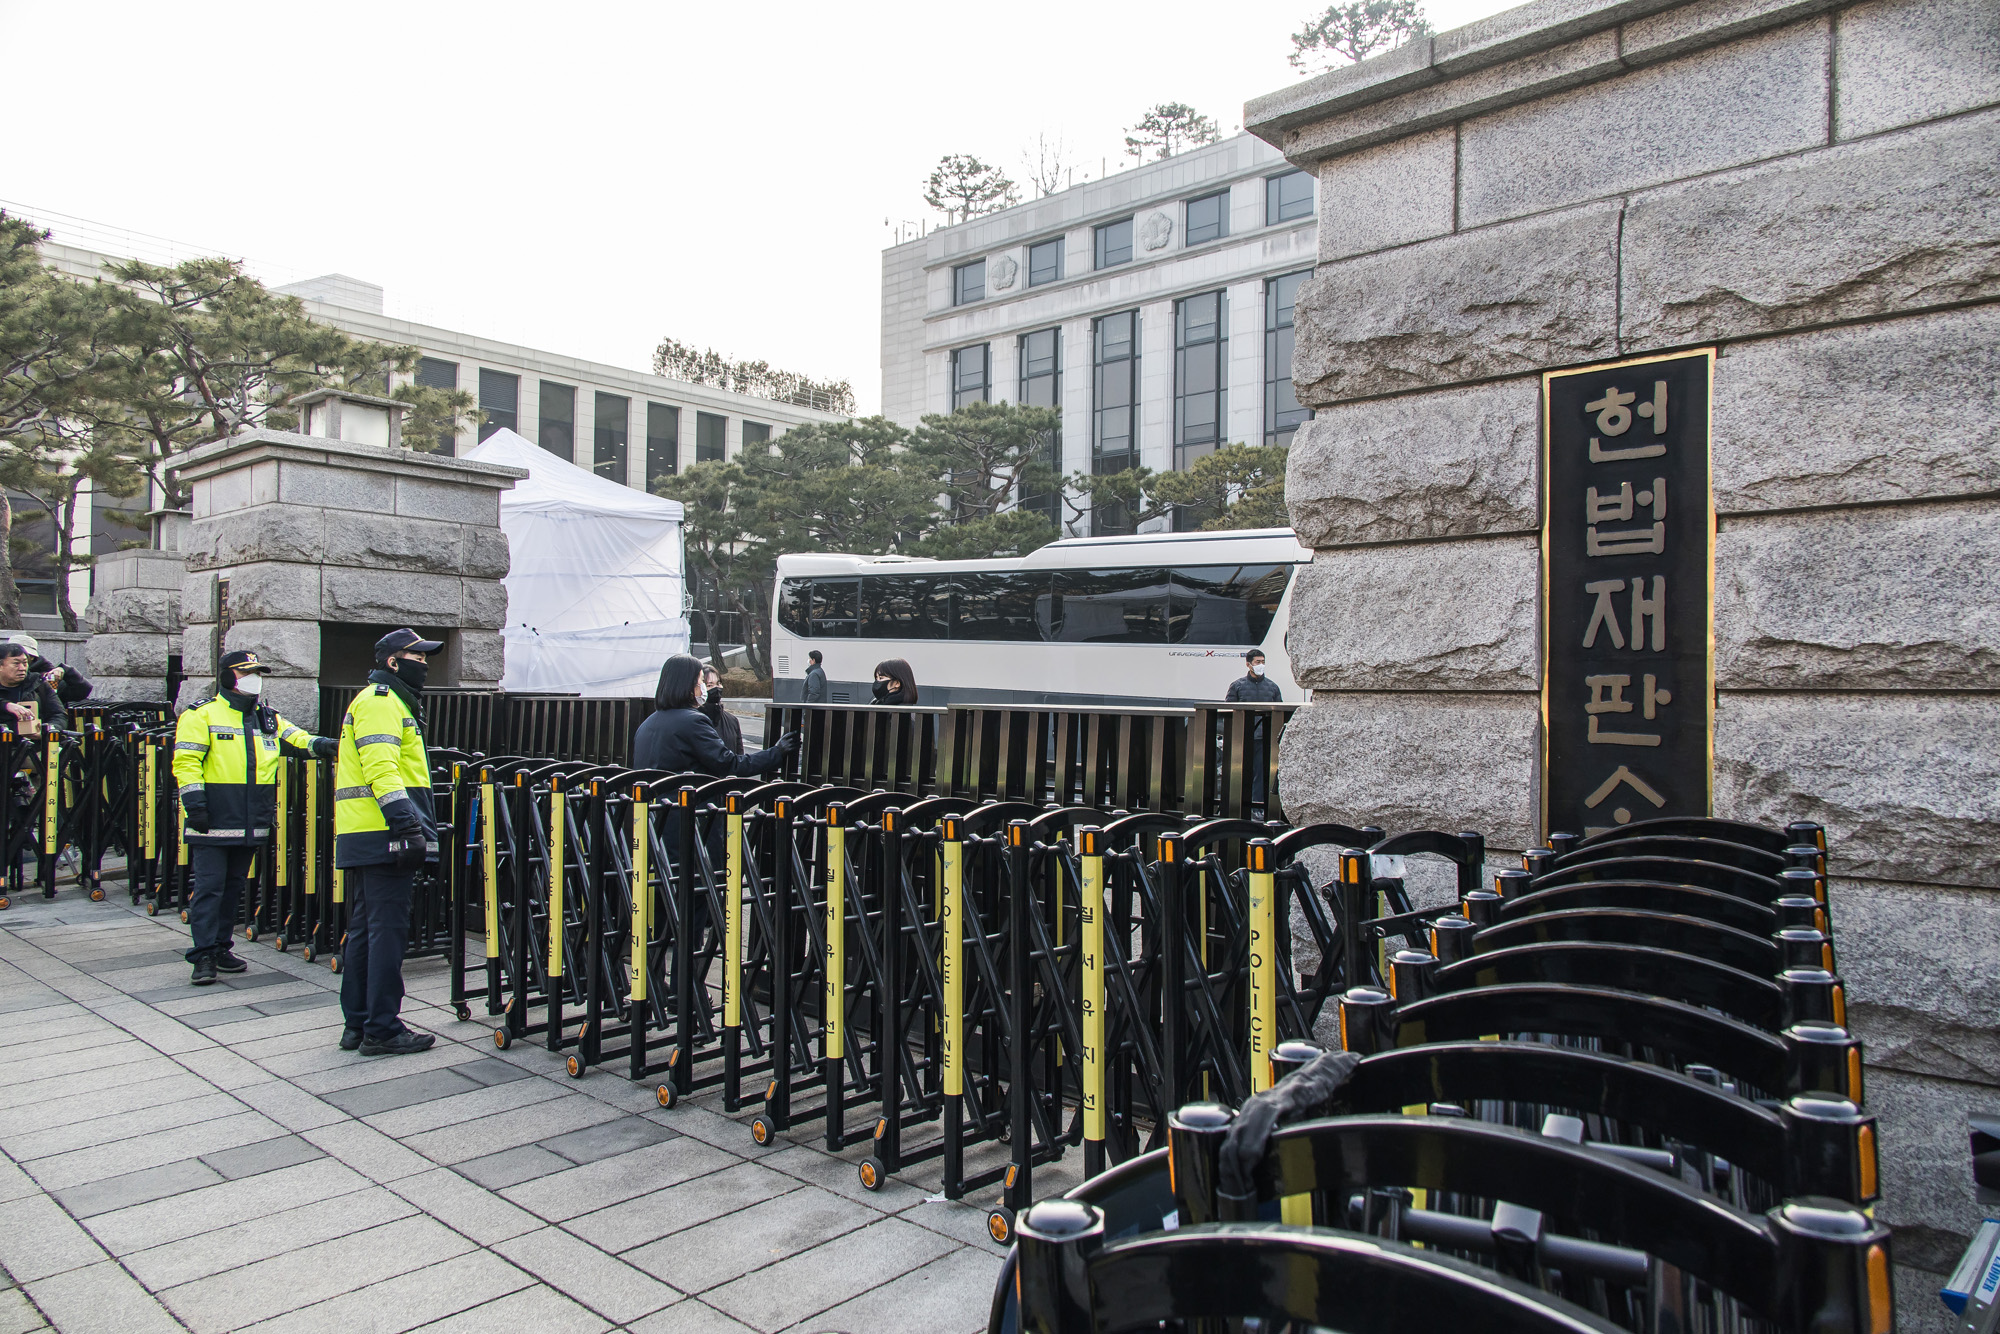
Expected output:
{"points": [[381, 689]]}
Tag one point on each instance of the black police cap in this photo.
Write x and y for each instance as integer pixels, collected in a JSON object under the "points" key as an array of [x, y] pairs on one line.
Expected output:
{"points": [[404, 641]]}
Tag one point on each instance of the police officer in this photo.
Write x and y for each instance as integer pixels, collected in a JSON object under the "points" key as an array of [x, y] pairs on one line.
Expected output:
{"points": [[226, 756], [385, 828]]}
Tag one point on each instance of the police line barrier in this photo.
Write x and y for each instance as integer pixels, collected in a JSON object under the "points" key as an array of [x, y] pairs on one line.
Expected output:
{"points": [[1660, 1162]]}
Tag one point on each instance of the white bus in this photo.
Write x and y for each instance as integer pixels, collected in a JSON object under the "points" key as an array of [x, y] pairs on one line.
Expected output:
{"points": [[1163, 619]]}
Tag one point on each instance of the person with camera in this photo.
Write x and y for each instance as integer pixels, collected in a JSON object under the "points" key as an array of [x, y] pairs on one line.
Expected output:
{"points": [[384, 830], [226, 756]]}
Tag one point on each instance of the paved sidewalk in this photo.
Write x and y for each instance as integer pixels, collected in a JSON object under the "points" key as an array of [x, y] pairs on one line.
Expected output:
{"points": [[207, 1159]]}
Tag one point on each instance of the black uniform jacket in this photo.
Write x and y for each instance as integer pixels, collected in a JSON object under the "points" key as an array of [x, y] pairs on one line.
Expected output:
{"points": [[683, 741]]}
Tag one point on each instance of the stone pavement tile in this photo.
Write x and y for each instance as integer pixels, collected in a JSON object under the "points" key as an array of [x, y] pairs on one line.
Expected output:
{"points": [[265, 1050], [605, 1284], [17, 1314], [336, 1070], [222, 1204], [712, 1127], [488, 1071], [102, 1299], [368, 1151], [250, 1026], [14, 1183], [290, 1004], [152, 1183], [241, 1297], [537, 1310], [53, 1134], [608, 1140], [142, 1063], [586, 1189], [841, 1176], [511, 1167], [691, 1316], [408, 1301], [158, 1031], [102, 964], [225, 1069], [55, 1021], [465, 1207], [961, 1220], [149, 978], [806, 1284], [524, 1125], [46, 1057], [30, 998], [171, 1085], [657, 1213], [106, 1160], [451, 1106], [950, 1295], [305, 1224], [226, 1014], [264, 1156], [38, 1239], [713, 1253], [294, 1109]]}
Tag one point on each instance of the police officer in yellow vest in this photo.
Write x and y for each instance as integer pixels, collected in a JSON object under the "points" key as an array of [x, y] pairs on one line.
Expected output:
{"points": [[226, 756], [385, 829]]}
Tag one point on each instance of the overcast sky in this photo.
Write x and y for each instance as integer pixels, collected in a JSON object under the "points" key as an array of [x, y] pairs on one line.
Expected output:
{"points": [[587, 178]]}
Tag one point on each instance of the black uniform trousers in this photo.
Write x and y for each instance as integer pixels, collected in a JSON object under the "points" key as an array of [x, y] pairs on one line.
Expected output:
{"points": [[221, 872], [371, 959]]}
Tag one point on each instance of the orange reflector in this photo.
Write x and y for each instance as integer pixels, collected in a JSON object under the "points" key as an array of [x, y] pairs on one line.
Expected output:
{"points": [[1840, 1005], [1878, 1291], [1343, 1030], [1864, 1146], [1854, 1075], [1826, 955]]}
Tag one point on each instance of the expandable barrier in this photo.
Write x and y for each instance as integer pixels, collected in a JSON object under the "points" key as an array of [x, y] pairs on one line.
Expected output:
{"points": [[1612, 1091]]}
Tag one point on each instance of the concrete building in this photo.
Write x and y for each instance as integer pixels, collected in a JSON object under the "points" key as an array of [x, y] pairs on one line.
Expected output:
{"points": [[1800, 195], [1153, 307]]}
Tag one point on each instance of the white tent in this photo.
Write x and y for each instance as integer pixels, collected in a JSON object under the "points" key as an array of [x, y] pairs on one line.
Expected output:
{"points": [[594, 591]]}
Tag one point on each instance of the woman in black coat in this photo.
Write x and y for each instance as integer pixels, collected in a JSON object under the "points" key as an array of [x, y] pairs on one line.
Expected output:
{"points": [[679, 739]]}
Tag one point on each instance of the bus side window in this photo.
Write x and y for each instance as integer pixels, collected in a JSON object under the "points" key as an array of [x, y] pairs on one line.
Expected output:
{"points": [[1113, 606], [904, 606], [1000, 606], [1226, 604], [834, 607], [793, 597]]}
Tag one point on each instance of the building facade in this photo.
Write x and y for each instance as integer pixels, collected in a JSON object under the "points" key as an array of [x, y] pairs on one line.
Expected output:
{"points": [[1152, 308]]}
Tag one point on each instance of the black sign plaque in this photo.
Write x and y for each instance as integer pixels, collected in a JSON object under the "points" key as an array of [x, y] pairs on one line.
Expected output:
{"points": [[1627, 593]]}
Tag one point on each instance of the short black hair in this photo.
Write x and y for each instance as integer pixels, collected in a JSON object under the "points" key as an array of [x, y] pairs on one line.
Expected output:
{"points": [[1253, 655], [679, 677], [10, 648], [813, 656]]}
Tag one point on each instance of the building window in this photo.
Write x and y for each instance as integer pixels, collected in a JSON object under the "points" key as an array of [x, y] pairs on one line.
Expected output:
{"points": [[608, 431], [1114, 243], [710, 434], [968, 282], [1282, 413], [1201, 383], [435, 374], [500, 400], [1041, 387], [756, 433], [1288, 196], [1114, 408], [1207, 218], [663, 442], [556, 431], [970, 382], [1045, 260]]}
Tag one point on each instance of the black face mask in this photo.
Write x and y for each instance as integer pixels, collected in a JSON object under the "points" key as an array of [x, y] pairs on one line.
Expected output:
{"points": [[712, 702], [883, 693], [410, 672]]}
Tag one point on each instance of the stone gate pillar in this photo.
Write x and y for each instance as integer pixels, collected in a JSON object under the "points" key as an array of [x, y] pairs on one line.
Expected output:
{"points": [[1812, 192], [306, 548]]}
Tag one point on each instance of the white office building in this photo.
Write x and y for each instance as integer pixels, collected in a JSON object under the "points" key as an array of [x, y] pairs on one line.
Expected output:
{"points": [[1153, 307]]}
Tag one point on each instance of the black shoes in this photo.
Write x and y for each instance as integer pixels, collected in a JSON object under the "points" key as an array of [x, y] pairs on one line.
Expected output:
{"points": [[350, 1038], [204, 970], [405, 1043], [227, 962]]}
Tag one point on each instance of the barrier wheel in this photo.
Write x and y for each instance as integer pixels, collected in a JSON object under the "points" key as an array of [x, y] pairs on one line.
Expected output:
{"points": [[184, 916], [281, 945], [250, 934], [574, 1065], [333, 962], [665, 1094], [463, 1012], [307, 954], [152, 910], [502, 1039], [97, 896], [872, 1173], [5, 903], [1000, 1225], [761, 1129]]}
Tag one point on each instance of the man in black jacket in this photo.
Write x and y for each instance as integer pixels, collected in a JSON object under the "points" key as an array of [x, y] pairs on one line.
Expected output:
{"points": [[25, 694], [815, 679], [71, 686]]}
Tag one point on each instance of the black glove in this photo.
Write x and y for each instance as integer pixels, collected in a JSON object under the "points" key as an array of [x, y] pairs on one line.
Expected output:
{"points": [[409, 850], [196, 806], [789, 743], [325, 747]]}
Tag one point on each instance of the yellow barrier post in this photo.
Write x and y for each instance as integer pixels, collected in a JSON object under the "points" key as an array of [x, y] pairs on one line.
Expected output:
{"points": [[642, 928], [489, 865], [1263, 963], [833, 1028], [1091, 907], [732, 953]]}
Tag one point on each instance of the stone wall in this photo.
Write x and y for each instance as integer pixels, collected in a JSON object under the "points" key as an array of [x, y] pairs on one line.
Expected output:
{"points": [[135, 624], [311, 531], [1815, 190]]}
